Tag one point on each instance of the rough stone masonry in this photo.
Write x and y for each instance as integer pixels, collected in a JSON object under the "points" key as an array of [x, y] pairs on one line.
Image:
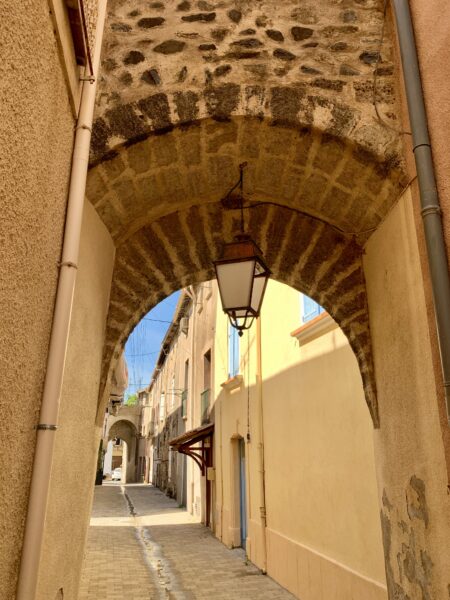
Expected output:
{"points": [[191, 89]]}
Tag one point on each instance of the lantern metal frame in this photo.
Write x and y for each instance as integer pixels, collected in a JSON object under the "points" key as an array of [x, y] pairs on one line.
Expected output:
{"points": [[243, 249]]}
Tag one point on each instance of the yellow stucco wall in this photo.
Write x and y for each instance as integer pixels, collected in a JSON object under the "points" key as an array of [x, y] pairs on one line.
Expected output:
{"points": [[323, 527], [409, 449], [77, 439], [36, 135]]}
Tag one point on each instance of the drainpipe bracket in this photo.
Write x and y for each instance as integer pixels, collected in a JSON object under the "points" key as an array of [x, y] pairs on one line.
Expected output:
{"points": [[86, 127], [90, 78], [432, 209], [46, 427], [68, 263]]}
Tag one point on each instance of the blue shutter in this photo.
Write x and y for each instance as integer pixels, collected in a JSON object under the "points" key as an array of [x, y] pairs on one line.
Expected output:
{"points": [[310, 309], [233, 351], [230, 351]]}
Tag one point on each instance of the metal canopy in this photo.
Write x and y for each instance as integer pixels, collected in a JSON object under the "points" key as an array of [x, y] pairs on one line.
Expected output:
{"points": [[201, 454]]}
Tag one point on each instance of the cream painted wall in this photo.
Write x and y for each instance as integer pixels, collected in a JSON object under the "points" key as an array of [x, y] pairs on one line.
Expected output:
{"points": [[323, 527], [36, 137], [77, 440], [201, 313], [409, 449]]}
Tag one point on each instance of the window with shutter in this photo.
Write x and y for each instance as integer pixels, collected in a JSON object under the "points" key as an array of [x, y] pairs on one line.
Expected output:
{"points": [[310, 309], [233, 351]]}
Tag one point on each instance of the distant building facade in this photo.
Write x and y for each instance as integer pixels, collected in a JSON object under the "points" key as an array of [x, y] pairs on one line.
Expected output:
{"points": [[179, 398]]}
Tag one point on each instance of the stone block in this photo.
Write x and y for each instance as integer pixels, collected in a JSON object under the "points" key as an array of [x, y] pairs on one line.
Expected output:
{"points": [[312, 192], [303, 147], [125, 194], [172, 185], [270, 172], [330, 154], [139, 156], [190, 148], [95, 186], [164, 150], [114, 167], [221, 134], [279, 141]]}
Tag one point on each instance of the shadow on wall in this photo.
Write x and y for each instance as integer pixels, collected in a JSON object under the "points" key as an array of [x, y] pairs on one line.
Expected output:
{"points": [[163, 478], [320, 480]]}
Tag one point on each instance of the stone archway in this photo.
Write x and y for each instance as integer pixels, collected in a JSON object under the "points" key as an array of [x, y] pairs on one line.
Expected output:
{"points": [[188, 92], [290, 91], [126, 431], [314, 199]]}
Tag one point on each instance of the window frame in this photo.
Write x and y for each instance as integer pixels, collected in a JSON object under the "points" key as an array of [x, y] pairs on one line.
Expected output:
{"points": [[310, 309], [233, 352]]}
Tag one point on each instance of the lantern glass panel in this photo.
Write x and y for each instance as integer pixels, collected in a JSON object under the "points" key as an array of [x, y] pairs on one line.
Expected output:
{"points": [[259, 285], [235, 283]]}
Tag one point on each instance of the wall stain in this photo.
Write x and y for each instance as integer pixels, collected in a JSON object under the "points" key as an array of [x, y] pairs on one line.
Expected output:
{"points": [[414, 565], [416, 501]]}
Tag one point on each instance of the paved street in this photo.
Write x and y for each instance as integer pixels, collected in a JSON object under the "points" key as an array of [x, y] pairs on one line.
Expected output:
{"points": [[142, 546]]}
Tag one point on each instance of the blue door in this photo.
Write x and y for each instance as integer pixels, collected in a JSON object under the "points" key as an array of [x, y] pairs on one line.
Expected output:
{"points": [[242, 492]]}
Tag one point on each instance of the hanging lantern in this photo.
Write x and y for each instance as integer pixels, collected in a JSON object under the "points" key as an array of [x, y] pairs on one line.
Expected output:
{"points": [[242, 277]]}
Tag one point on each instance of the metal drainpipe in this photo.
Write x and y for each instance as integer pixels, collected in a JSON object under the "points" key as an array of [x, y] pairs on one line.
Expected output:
{"points": [[262, 470], [430, 207], [43, 457], [191, 382]]}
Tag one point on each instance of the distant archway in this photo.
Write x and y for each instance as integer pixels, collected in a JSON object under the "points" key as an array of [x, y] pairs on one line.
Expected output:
{"points": [[126, 431]]}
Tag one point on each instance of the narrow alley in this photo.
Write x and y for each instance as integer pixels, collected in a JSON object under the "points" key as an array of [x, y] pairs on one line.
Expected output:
{"points": [[142, 546]]}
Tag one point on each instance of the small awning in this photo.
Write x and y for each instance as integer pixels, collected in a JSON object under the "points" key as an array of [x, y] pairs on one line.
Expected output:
{"points": [[201, 453], [192, 436]]}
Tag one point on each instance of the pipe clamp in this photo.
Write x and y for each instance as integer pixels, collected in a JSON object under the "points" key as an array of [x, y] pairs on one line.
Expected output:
{"points": [[86, 127], [68, 263], [433, 209], [45, 427]]}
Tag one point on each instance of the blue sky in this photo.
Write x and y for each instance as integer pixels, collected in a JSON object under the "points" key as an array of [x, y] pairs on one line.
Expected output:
{"points": [[143, 345]]}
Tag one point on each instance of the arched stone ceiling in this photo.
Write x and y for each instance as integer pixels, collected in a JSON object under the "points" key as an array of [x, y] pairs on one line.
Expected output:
{"points": [[123, 429], [311, 171], [191, 89], [178, 250]]}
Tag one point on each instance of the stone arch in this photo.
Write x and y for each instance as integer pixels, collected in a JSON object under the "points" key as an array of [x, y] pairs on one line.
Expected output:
{"points": [[315, 195], [126, 430], [178, 250], [121, 428], [308, 169], [188, 92]]}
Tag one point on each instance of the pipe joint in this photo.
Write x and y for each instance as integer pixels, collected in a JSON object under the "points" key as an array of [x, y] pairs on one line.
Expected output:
{"points": [[82, 126], [432, 209], [90, 79], [421, 145], [68, 263]]}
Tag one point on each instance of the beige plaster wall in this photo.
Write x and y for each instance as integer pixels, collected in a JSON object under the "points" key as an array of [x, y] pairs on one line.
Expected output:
{"points": [[36, 134], [434, 60], [431, 21], [78, 438], [409, 450], [323, 528]]}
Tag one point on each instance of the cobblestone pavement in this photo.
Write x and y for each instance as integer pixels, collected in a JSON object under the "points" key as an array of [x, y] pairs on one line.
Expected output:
{"points": [[142, 546]]}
